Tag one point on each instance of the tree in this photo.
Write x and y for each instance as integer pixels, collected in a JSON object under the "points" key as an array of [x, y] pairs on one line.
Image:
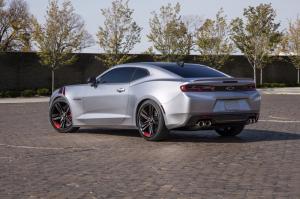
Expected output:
{"points": [[257, 35], [213, 41], [292, 45], [15, 26], [119, 34], [169, 34], [192, 23], [63, 34]]}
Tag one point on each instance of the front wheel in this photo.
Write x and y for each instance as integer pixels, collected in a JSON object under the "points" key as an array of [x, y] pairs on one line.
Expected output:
{"points": [[230, 131], [150, 122], [61, 116]]}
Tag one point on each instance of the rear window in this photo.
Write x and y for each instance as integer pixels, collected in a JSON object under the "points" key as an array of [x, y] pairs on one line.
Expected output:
{"points": [[192, 70]]}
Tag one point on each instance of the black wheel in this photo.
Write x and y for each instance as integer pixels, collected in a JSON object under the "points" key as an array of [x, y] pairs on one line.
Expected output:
{"points": [[61, 116], [230, 131], [150, 122]]}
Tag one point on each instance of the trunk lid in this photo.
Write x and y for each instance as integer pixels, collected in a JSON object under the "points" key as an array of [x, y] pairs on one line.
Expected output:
{"points": [[220, 84]]}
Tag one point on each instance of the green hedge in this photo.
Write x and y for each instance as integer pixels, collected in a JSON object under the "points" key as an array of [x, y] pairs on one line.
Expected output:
{"points": [[272, 85], [11, 94], [28, 93], [43, 92], [25, 93]]}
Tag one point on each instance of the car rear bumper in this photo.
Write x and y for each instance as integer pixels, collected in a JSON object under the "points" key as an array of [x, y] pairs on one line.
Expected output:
{"points": [[220, 119], [184, 110], [224, 118]]}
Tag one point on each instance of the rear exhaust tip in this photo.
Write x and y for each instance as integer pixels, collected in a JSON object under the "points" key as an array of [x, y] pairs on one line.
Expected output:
{"points": [[201, 123], [252, 120], [208, 123], [204, 123]]}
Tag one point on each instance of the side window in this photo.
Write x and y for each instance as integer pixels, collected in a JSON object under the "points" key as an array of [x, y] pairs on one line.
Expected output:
{"points": [[118, 75], [140, 73]]}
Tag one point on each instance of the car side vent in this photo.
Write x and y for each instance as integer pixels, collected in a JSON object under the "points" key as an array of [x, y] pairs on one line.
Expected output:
{"points": [[229, 82]]}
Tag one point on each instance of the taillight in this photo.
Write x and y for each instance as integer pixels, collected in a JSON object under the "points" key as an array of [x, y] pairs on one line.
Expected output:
{"points": [[221, 88], [62, 91], [196, 88]]}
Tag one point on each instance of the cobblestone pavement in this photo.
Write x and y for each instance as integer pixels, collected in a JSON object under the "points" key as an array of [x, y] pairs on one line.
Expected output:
{"points": [[37, 162]]}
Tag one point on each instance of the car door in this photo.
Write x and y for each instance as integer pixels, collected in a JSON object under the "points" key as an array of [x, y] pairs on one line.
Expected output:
{"points": [[106, 104]]}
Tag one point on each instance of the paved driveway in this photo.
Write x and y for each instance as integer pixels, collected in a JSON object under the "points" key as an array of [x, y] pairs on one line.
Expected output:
{"points": [[37, 162]]}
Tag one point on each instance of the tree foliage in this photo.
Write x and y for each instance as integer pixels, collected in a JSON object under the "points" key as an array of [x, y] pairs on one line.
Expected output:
{"points": [[291, 44], [62, 34], [213, 42], [169, 34], [257, 35], [192, 23], [119, 34], [15, 26]]}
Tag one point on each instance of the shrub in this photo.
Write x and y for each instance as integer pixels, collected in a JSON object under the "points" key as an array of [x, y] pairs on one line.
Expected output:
{"points": [[43, 92], [11, 94], [28, 93], [272, 85], [1, 94]]}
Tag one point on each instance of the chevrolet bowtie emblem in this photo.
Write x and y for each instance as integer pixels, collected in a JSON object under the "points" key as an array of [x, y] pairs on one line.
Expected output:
{"points": [[230, 88]]}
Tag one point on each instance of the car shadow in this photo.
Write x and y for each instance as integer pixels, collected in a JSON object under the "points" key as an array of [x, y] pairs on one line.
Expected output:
{"points": [[248, 135], [113, 132]]}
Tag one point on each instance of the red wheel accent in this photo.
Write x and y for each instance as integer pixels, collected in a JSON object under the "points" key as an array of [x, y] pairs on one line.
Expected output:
{"points": [[56, 124], [147, 134]]}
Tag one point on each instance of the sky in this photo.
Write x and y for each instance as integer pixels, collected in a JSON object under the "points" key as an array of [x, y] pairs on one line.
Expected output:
{"points": [[89, 10]]}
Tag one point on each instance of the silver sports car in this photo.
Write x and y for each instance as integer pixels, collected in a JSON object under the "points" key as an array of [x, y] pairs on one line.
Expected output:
{"points": [[156, 98]]}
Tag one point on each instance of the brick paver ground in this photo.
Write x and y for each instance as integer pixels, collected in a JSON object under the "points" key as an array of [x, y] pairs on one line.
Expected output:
{"points": [[37, 162]]}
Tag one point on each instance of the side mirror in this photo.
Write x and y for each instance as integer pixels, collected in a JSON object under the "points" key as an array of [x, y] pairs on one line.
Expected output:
{"points": [[92, 81]]}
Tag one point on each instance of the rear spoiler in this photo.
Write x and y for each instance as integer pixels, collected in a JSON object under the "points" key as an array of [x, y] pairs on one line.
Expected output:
{"points": [[224, 79]]}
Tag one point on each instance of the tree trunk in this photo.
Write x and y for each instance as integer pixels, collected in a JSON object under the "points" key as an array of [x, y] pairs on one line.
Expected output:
{"points": [[52, 82], [254, 74], [261, 76]]}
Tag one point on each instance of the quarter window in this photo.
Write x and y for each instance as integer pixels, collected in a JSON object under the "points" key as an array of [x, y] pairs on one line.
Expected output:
{"points": [[139, 73]]}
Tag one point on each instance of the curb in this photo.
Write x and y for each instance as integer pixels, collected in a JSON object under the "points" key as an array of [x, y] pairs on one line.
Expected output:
{"points": [[280, 91], [21, 100]]}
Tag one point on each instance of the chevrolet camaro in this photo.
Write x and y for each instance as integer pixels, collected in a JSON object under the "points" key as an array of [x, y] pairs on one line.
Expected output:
{"points": [[155, 98]]}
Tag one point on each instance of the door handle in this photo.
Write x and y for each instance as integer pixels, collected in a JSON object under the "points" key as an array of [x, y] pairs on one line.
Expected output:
{"points": [[121, 90]]}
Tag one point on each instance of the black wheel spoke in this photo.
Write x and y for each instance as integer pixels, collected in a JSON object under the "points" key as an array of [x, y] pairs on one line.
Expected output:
{"points": [[151, 129], [68, 121], [155, 118], [62, 124], [144, 115], [67, 109], [151, 110], [145, 126], [58, 108], [56, 118]]}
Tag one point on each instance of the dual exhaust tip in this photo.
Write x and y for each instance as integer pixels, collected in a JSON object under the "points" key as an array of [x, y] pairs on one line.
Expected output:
{"points": [[208, 123], [252, 120], [204, 123]]}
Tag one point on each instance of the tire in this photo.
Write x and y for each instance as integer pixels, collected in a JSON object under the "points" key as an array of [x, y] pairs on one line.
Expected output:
{"points": [[150, 122], [230, 131], [60, 116]]}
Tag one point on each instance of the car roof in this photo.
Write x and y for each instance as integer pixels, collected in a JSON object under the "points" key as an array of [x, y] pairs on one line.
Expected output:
{"points": [[160, 64]]}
